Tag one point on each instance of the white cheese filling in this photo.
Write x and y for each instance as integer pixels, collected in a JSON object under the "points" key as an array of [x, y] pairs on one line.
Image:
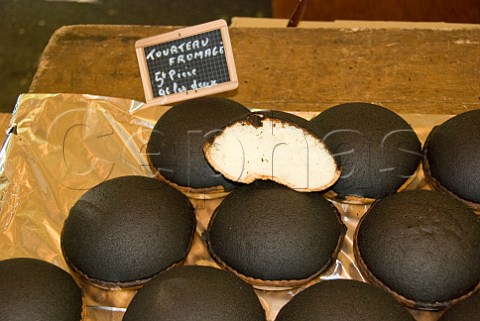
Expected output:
{"points": [[277, 150]]}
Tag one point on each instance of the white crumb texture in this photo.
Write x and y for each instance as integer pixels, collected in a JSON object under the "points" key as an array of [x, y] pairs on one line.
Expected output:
{"points": [[277, 150]]}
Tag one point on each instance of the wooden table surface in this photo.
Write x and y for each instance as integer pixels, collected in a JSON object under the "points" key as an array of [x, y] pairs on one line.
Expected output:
{"points": [[408, 70]]}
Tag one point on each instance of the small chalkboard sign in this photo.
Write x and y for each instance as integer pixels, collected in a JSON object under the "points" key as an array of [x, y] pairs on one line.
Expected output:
{"points": [[187, 63]]}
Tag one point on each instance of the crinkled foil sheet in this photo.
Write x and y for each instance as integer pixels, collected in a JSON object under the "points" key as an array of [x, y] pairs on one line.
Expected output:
{"points": [[60, 145]]}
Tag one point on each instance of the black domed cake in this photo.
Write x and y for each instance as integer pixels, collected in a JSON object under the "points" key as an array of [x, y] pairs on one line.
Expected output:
{"points": [[125, 230], [195, 293], [32, 289], [451, 157], [465, 310], [376, 148], [175, 147], [271, 235], [343, 300], [422, 246]]}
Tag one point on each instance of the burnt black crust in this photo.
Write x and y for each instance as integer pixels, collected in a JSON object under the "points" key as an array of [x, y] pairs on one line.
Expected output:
{"points": [[421, 245], [32, 289], [282, 115], [195, 293], [175, 147], [343, 300], [266, 231], [465, 310], [255, 119], [452, 152], [127, 229], [376, 148]]}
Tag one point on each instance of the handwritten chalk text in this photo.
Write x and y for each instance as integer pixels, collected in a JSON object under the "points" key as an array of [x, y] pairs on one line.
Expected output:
{"points": [[209, 52], [173, 75], [176, 88], [176, 49]]}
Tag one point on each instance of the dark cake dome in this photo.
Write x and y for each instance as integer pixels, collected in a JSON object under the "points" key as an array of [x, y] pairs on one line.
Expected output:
{"points": [[31, 289], [343, 300], [175, 147], [125, 230], [271, 235], [195, 293], [422, 246], [451, 157], [377, 149]]}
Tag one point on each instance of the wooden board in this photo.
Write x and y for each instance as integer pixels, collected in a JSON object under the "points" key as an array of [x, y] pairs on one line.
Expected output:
{"points": [[407, 70]]}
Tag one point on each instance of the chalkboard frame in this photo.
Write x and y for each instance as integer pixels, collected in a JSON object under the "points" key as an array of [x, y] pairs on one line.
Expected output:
{"points": [[141, 44]]}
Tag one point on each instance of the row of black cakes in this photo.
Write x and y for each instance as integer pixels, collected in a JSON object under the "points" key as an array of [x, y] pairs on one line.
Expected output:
{"points": [[31, 289], [125, 230], [174, 295], [375, 150], [34, 290], [365, 151], [196, 293], [379, 152], [176, 148]]}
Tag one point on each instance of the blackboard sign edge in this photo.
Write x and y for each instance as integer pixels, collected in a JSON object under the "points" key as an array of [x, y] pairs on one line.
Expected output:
{"points": [[142, 61], [232, 70], [179, 34], [173, 98]]}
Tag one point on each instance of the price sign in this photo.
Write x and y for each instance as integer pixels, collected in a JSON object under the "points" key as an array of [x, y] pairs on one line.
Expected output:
{"points": [[187, 63]]}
